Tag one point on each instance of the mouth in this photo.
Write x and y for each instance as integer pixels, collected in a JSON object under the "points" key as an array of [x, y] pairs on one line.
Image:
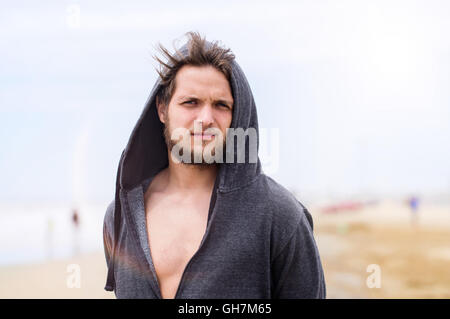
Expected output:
{"points": [[203, 136]]}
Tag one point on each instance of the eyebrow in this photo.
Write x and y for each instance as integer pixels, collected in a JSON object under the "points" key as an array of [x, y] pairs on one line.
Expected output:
{"points": [[225, 102], [187, 97], [192, 97]]}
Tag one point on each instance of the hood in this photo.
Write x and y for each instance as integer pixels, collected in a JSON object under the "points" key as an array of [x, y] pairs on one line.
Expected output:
{"points": [[146, 152]]}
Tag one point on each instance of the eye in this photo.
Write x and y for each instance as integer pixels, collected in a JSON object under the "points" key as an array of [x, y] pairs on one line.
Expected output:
{"points": [[190, 102], [223, 105]]}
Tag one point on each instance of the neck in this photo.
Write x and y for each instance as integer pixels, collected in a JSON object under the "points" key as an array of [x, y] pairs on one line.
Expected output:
{"points": [[191, 177]]}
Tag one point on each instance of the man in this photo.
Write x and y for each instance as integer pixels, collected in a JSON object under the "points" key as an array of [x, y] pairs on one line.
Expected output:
{"points": [[182, 226]]}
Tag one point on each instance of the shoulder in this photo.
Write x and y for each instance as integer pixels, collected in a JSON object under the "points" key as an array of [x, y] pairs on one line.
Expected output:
{"points": [[288, 215], [284, 204]]}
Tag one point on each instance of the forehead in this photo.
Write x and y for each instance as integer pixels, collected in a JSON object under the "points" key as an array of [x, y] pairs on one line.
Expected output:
{"points": [[202, 80]]}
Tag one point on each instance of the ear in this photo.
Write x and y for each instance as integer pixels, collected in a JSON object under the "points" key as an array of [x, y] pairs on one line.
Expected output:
{"points": [[161, 110]]}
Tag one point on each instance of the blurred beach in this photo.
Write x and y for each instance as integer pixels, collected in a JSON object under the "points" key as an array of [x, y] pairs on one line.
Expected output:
{"points": [[413, 256], [34, 233], [42, 252], [50, 279]]}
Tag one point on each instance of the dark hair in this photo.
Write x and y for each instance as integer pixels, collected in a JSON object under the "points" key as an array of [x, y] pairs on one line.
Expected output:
{"points": [[200, 53]]}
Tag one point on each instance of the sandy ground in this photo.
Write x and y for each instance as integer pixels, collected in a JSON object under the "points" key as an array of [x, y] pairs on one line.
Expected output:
{"points": [[413, 261], [56, 279]]}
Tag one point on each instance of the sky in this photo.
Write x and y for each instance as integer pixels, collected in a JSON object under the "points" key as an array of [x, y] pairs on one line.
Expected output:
{"points": [[353, 95]]}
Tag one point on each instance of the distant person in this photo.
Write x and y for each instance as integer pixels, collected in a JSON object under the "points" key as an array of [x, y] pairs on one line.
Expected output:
{"points": [[414, 207], [76, 230], [75, 218], [182, 228]]}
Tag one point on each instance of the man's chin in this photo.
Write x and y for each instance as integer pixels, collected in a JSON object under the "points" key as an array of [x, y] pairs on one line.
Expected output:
{"points": [[196, 159], [196, 162], [197, 154]]}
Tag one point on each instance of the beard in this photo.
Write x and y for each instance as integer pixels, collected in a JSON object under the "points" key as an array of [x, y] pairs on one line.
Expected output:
{"points": [[196, 151]]}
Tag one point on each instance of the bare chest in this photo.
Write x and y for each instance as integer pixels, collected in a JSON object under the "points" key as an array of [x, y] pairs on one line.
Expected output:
{"points": [[174, 233]]}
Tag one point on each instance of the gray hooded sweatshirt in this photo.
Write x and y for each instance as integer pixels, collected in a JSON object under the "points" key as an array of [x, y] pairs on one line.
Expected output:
{"points": [[258, 242]]}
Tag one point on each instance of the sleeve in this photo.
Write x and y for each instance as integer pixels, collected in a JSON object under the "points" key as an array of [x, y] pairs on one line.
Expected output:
{"points": [[107, 235], [297, 270]]}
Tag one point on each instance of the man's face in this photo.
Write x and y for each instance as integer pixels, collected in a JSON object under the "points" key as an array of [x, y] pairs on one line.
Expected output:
{"points": [[202, 94]]}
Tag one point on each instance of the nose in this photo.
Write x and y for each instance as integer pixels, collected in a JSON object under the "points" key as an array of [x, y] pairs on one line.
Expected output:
{"points": [[206, 115]]}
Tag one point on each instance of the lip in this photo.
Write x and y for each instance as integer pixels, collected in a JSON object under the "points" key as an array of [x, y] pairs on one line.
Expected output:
{"points": [[203, 136]]}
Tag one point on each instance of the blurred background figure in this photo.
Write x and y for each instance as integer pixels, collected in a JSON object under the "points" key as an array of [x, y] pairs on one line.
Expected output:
{"points": [[413, 203], [76, 231]]}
